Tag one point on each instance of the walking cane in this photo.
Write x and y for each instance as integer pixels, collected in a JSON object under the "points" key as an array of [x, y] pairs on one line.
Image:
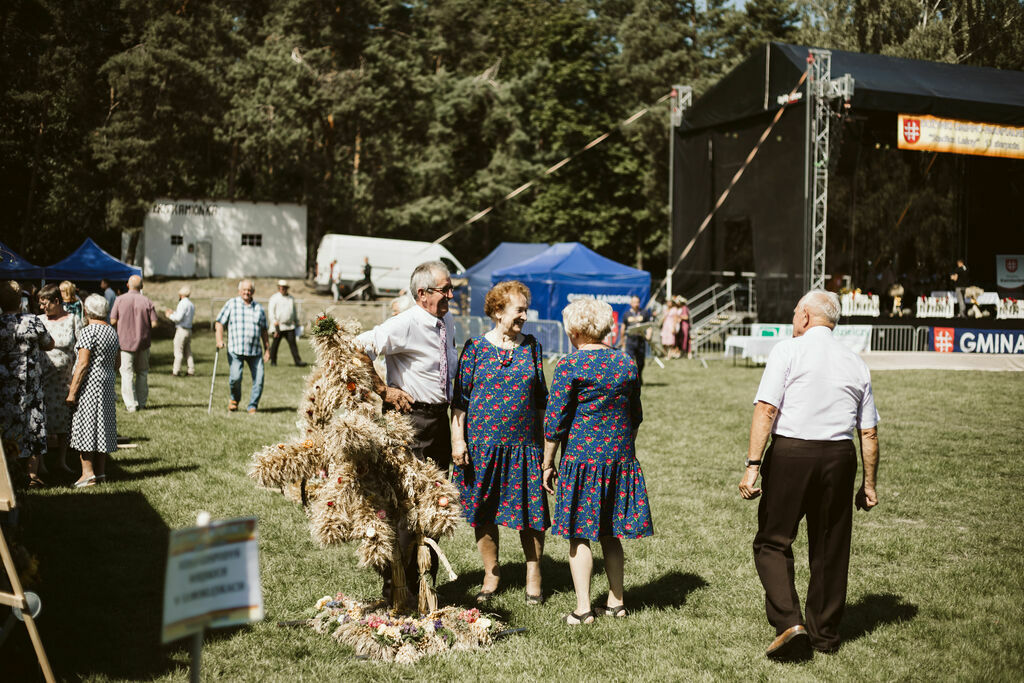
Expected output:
{"points": [[213, 379]]}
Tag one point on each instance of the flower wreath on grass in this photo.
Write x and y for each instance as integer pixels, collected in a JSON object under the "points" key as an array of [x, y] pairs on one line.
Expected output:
{"points": [[394, 637]]}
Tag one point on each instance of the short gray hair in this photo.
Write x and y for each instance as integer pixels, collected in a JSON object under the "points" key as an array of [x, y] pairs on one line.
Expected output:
{"points": [[96, 307], [402, 303], [588, 318], [426, 276], [246, 282], [822, 304]]}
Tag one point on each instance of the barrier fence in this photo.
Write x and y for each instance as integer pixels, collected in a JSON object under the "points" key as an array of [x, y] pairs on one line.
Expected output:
{"points": [[365, 311], [555, 342], [883, 338], [549, 333], [715, 342], [899, 338]]}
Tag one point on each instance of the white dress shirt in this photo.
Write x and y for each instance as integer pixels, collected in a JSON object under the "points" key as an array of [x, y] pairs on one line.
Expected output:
{"points": [[184, 314], [281, 312], [821, 388], [411, 344]]}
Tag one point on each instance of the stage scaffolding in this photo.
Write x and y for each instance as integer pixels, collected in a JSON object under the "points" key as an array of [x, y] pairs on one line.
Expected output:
{"points": [[821, 92]]}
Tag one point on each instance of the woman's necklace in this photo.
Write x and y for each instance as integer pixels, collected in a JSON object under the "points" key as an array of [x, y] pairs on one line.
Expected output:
{"points": [[506, 347]]}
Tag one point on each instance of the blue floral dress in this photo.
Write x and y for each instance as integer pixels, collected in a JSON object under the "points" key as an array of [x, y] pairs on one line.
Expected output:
{"points": [[501, 392], [594, 406]]}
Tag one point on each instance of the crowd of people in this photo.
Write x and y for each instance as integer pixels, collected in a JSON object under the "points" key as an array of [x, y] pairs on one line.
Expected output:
{"points": [[487, 414], [57, 379], [60, 354]]}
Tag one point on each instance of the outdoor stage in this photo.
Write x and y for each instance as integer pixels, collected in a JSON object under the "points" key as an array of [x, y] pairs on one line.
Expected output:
{"points": [[931, 360], [990, 323]]}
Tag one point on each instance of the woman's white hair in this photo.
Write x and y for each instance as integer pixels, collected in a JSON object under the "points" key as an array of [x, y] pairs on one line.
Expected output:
{"points": [[96, 307], [426, 275], [588, 318], [402, 303], [822, 304]]}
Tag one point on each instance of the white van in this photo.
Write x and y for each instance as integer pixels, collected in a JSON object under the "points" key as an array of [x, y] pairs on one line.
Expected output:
{"points": [[392, 261]]}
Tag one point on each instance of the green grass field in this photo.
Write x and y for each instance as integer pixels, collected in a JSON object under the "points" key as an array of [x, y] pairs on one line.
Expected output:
{"points": [[936, 581]]}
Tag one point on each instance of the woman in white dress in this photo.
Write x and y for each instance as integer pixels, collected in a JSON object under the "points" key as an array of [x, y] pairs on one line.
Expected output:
{"points": [[57, 365], [94, 423]]}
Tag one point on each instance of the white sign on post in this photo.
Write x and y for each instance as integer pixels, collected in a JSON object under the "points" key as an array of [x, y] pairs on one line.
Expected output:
{"points": [[213, 578]]}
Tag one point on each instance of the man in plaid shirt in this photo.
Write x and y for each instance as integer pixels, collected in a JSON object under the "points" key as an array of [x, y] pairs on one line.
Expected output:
{"points": [[247, 327]]}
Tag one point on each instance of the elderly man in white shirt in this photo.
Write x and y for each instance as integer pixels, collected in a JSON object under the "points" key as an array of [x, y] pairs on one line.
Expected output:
{"points": [[182, 317], [419, 352], [814, 394], [284, 318]]}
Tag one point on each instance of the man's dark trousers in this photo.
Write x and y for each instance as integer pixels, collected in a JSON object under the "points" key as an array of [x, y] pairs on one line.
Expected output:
{"points": [[276, 341], [813, 479], [637, 347]]}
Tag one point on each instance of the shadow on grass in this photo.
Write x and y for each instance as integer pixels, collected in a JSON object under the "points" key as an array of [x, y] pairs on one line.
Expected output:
{"points": [[116, 471], [872, 611], [555, 573], [101, 566], [175, 405], [242, 409], [667, 591], [124, 460]]}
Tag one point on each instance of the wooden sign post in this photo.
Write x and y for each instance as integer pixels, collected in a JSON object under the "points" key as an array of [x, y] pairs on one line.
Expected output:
{"points": [[16, 598], [212, 580]]}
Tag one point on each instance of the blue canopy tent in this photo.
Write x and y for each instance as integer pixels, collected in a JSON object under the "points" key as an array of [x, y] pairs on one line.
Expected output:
{"points": [[14, 267], [90, 263], [479, 276], [568, 270]]}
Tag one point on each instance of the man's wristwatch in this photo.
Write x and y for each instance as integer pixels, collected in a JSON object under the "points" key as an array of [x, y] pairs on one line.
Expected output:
{"points": [[750, 462]]}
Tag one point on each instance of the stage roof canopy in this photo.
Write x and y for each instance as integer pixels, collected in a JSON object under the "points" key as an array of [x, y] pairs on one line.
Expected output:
{"points": [[887, 84]]}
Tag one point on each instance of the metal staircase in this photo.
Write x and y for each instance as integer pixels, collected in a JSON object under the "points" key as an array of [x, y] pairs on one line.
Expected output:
{"points": [[714, 313]]}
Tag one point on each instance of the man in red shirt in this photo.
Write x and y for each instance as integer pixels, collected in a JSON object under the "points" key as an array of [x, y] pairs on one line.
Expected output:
{"points": [[134, 316]]}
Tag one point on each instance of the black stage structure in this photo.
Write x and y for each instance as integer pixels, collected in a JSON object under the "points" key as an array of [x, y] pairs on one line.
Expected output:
{"points": [[764, 224]]}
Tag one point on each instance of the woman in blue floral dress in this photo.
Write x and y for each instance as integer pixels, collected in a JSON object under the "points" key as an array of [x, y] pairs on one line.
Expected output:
{"points": [[594, 410], [497, 412]]}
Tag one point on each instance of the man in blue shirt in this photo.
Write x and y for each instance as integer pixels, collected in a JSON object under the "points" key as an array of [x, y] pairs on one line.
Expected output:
{"points": [[109, 294], [247, 328]]}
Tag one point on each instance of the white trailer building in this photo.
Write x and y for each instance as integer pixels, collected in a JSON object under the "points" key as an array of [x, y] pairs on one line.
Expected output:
{"points": [[199, 238]]}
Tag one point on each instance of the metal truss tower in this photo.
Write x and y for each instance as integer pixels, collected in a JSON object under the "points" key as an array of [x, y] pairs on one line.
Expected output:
{"points": [[821, 92]]}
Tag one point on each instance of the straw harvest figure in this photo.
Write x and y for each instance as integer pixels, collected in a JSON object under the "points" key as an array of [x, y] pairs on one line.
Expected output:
{"points": [[371, 489]]}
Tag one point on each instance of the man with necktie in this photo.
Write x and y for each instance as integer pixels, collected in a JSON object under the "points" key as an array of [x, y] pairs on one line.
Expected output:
{"points": [[420, 357]]}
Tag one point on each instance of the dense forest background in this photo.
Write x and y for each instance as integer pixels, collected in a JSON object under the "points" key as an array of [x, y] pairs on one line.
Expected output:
{"points": [[403, 119]]}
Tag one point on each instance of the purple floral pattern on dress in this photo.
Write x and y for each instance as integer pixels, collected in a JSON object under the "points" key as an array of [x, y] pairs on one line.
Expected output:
{"points": [[502, 392], [594, 406]]}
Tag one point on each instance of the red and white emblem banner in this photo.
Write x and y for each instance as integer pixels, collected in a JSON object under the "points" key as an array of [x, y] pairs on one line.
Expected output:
{"points": [[934, 134], [1009, 274]]}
